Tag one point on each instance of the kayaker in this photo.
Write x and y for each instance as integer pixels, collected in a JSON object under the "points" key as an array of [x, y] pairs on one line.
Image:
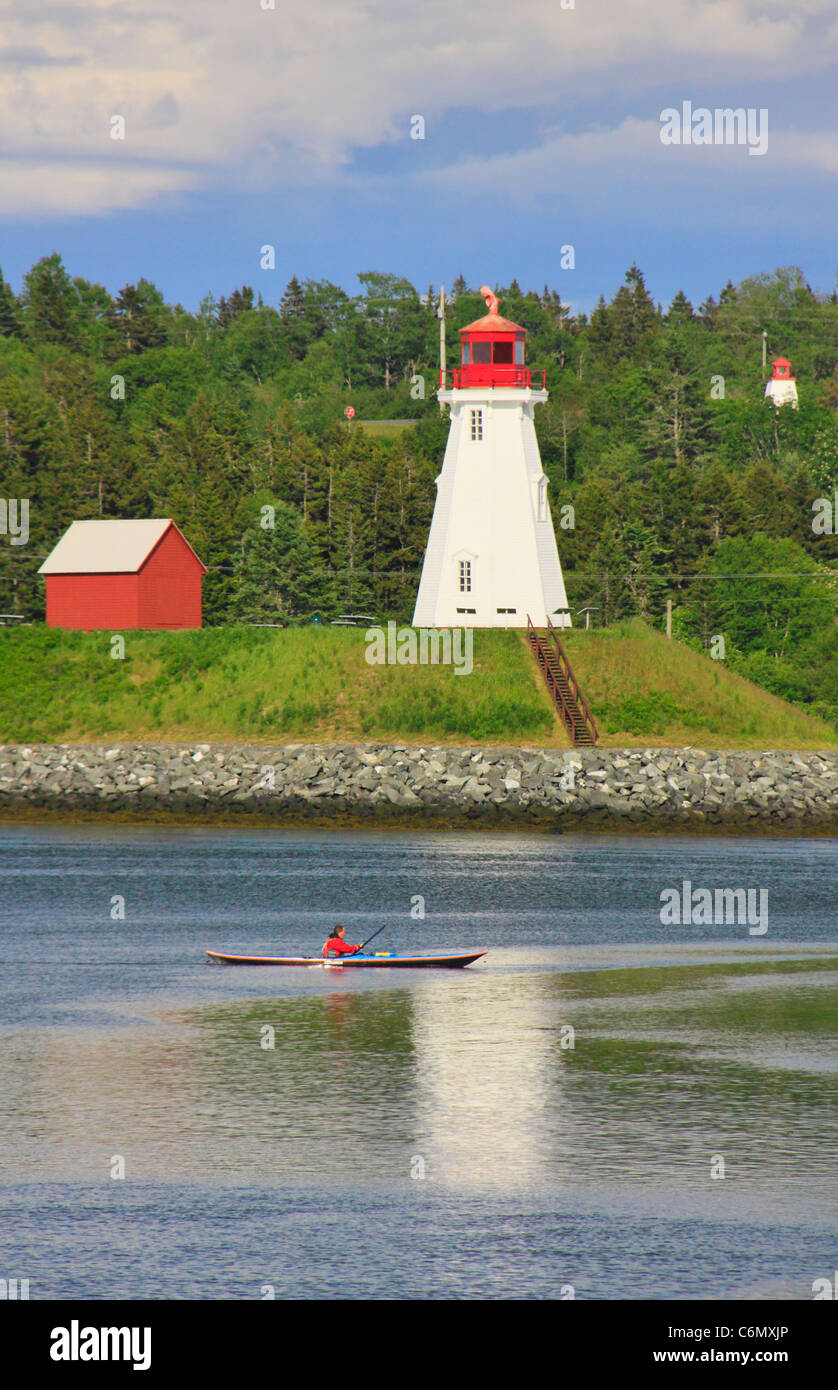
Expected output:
{"points": [[336, 946]]}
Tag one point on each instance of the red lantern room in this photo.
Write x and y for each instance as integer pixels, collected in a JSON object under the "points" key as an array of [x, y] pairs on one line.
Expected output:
{"points": [[782, 388], [492, 351]]}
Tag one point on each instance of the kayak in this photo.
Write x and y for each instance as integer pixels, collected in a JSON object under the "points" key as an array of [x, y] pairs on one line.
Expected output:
{"points": [[387, 959]]}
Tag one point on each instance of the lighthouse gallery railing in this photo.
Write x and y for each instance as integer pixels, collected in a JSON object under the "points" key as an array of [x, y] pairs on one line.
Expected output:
{"points": [[487, 374]]}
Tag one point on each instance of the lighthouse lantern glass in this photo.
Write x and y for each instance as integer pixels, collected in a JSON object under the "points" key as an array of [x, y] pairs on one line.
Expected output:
{"points": [[492, 353]]}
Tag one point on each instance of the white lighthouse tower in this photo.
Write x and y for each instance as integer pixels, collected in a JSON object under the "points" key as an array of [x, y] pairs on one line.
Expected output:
{"points": [[491, 557]]}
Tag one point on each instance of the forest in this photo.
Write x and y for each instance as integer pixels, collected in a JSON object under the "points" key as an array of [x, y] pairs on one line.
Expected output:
{"points": [[685, 484]]}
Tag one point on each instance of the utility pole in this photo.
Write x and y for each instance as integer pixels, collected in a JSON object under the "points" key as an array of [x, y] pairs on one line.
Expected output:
{"points": [[441, 316]]}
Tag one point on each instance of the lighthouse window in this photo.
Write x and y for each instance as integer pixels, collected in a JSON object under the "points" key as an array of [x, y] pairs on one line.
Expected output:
{"points": [[482, 352], [503, 354], [466, 354], [519, 352], [477, 425], [542, 499], [465, 576]]}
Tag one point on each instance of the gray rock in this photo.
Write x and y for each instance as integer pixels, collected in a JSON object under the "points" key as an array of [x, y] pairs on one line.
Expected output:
{"points": [[661, 786]]}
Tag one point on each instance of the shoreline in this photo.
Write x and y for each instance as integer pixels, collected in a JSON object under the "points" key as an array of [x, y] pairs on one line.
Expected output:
{"points": [[439, 787]]}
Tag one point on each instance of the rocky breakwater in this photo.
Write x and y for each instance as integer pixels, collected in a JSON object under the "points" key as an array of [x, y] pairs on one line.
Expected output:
{"points": [[648, 788]]}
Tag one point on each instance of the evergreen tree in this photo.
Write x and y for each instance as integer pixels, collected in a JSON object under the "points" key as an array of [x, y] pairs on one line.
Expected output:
{"points": [[599, 329], [138, 318], [51, 304], [644, 315], [10, 324], [292, 313], [274, 571], [680, 310], [240, 302]]}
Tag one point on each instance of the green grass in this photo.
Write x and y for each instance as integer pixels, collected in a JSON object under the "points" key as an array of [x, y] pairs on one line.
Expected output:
{"points": [[385, 429], [645, 691], [314, 684], [233, 684]]}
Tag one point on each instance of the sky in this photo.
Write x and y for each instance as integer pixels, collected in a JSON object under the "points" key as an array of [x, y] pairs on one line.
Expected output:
{"points": [[293, 126]]}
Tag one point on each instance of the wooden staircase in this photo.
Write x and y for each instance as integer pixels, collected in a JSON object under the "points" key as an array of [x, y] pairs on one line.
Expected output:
{"points": [[562, 684]]}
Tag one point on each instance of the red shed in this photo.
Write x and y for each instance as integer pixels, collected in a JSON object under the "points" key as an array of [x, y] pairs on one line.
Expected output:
{"points": [[114, 575]]}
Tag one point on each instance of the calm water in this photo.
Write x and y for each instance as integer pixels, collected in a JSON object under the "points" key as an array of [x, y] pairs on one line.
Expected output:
{"points": [[397, 1135]]}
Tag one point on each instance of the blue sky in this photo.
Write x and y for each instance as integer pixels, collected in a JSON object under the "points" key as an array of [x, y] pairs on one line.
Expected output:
{"points": [[246, 126]]}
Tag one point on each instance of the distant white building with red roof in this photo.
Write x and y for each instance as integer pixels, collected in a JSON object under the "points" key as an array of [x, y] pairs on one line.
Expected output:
{"points": [[782, 388]]}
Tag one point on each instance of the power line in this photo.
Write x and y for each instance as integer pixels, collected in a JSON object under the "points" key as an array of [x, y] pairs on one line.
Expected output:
{"points": [[412, 573]]}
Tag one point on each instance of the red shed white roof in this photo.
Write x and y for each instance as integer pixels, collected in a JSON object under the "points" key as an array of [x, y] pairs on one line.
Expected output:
{"points": [[108, 547]]}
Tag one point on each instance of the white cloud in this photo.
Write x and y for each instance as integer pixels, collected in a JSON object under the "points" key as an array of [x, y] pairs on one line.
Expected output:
{"points": [[51, 188], [819, 151], [590, 163], [220, 93]]}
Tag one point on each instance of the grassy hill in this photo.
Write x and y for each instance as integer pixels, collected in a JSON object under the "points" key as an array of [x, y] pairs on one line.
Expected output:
{"points": [[314, 684], [647, 691]]}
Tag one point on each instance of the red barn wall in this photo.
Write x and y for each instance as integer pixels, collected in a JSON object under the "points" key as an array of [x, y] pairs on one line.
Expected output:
{"points": [[170, 585], [92, 601]]}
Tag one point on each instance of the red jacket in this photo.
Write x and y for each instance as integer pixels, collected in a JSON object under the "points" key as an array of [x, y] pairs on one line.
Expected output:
{"points": [[335, 946]]}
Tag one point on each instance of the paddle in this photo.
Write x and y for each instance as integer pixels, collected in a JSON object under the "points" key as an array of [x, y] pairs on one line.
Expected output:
{"points": [[369, 939]]}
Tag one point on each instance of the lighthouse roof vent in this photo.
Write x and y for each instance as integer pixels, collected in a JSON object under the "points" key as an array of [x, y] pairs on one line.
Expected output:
{"points": [[492, 322]]}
